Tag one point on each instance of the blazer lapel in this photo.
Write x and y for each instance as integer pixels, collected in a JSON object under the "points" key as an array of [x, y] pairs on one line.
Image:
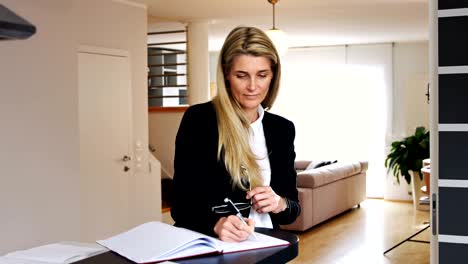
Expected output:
{"points": [[269, 133]]}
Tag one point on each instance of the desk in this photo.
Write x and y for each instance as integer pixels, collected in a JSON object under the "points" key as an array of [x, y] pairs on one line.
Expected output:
{"points": [[281, 254]]}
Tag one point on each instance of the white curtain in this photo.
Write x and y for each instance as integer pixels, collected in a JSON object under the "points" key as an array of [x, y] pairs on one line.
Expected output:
{"points": [[339, 98]]}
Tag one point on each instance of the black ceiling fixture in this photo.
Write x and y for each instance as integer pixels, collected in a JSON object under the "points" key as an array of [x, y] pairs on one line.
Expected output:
{"points": [[13, 26]]}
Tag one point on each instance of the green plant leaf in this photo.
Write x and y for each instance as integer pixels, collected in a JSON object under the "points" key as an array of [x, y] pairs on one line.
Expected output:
{"points": [[407, 154]]}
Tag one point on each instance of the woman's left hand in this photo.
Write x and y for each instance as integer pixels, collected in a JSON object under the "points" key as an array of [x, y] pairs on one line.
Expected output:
{"points": [[265, 200]]}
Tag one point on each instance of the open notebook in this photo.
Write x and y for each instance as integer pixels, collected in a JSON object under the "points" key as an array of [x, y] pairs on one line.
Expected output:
{"points": [[156, 241]]}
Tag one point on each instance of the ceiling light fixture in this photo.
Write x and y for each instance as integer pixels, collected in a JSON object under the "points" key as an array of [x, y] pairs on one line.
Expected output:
{"points": [[277, 36]]}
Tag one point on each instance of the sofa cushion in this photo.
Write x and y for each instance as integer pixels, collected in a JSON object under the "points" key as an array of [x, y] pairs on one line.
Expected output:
{"points": [[319, 163], [312, 178]]}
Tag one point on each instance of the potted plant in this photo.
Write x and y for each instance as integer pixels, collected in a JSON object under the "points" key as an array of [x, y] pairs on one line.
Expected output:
{"points": [[406, 158]]}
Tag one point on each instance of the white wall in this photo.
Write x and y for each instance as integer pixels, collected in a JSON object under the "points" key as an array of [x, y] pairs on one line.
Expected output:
{"points": [[410, 108], [163, 128], [411, 78], [39, 195]]}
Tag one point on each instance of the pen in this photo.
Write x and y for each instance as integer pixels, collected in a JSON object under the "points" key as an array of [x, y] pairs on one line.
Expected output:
{"points": [[238, 214]]}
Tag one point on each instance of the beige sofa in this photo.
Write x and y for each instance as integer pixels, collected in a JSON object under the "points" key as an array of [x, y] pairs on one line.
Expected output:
{"points": [[327, 191]]}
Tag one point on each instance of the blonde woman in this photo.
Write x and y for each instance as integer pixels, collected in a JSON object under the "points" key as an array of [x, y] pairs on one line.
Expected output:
{"points": [[232, 148]]}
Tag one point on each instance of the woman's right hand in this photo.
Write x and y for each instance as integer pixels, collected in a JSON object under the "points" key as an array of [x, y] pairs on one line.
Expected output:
{"points": [[232, 229]]}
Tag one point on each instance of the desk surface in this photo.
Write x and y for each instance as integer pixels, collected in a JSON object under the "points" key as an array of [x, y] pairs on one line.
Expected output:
{"points": [[281, 254]]}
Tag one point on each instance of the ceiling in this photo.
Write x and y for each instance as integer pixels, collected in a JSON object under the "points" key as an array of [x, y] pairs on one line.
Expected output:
{"points": [[306, 22]]}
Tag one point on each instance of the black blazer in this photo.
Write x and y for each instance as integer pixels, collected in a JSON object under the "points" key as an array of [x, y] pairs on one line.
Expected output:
{"points": [[201, 181]]}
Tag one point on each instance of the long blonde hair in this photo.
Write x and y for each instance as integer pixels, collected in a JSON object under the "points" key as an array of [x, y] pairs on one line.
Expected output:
{"points": [[233, 125]]}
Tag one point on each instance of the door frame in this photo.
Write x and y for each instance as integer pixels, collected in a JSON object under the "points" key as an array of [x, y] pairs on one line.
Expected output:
{"points": [[434, 129]]}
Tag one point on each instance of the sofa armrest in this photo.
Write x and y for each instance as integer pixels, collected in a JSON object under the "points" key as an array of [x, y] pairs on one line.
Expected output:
{"points": [[364, 166], [302, 164]]}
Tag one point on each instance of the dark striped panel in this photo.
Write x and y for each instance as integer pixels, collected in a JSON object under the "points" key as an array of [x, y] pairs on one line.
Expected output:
{"points": [[453, 155], [449, 4], [451, 253], [453, 211], [453, 98], [453, 41]]}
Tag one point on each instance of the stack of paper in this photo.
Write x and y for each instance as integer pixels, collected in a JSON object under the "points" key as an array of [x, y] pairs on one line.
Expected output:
{"points": [[62, 253]]}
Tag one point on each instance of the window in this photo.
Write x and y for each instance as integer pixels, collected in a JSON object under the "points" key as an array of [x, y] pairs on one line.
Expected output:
{"points": [[339, 99]]}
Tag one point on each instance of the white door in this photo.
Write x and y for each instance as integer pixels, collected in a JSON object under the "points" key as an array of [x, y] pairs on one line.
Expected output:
{"points": [[105, 141]]}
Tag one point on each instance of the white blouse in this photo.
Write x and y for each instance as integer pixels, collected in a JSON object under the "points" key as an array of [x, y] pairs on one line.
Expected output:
{"points": [[259, 149]]}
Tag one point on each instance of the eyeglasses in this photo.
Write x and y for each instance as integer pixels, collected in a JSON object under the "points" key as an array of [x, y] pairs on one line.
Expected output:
{"points": [[224, 209]]}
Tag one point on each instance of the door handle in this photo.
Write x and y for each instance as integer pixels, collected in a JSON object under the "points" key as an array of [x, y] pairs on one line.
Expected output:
{"points": [[126, 158]]}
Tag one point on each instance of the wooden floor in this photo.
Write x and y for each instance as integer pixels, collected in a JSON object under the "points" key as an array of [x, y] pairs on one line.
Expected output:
{"points": [[361, 235]]}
